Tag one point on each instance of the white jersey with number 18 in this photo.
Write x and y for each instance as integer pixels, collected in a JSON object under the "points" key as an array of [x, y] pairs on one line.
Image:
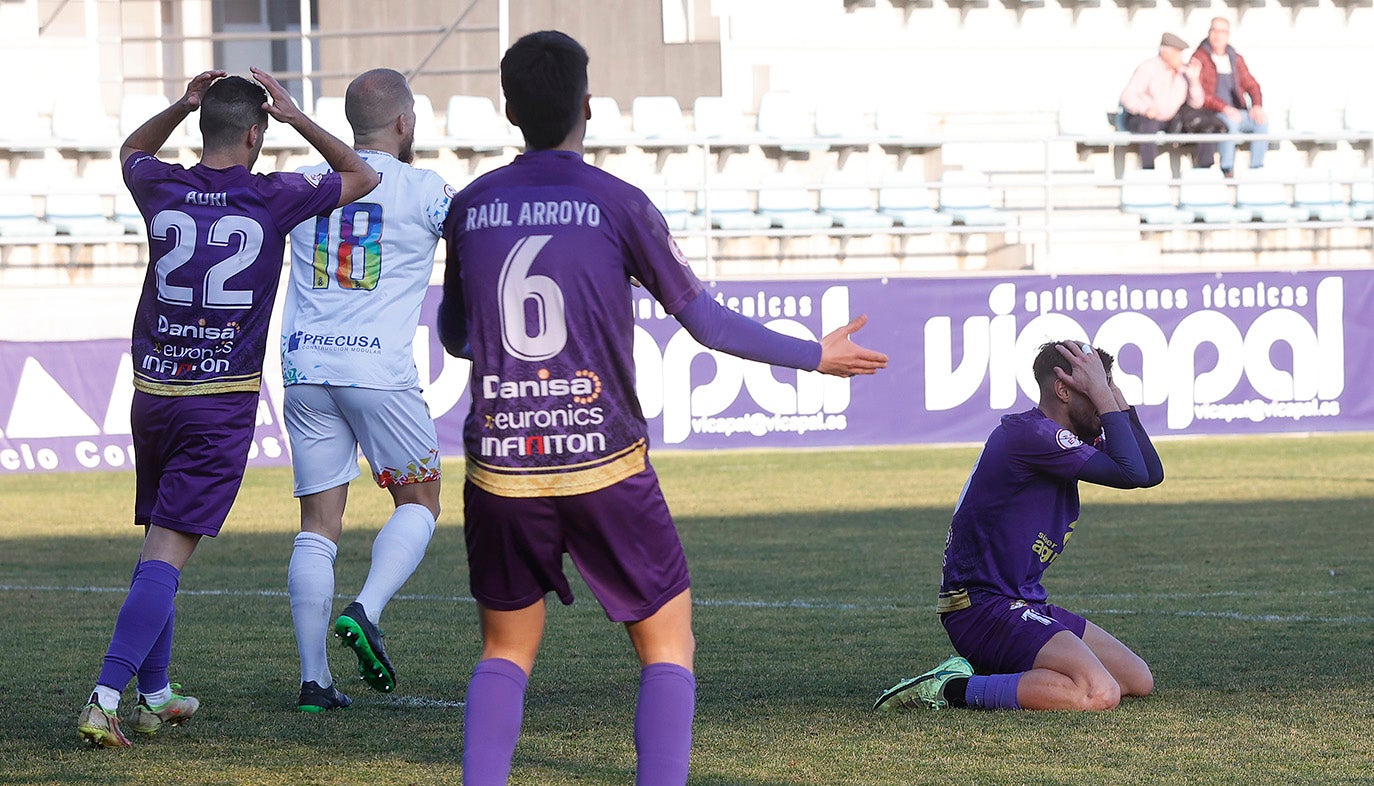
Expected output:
{"points": [[358, 278]]}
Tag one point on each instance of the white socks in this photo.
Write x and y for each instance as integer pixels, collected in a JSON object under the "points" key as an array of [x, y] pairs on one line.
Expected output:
{"points": [[310, 583], [158, 697], [396, 553], [107, 697]]}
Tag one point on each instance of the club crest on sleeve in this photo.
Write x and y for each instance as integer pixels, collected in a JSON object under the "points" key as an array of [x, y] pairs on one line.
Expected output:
{"points": [[1067, 439], [677, 252], [449, 192], [314, 180]]}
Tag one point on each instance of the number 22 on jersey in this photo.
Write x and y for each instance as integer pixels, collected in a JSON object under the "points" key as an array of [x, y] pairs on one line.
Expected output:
{"points": [[355, 252]]}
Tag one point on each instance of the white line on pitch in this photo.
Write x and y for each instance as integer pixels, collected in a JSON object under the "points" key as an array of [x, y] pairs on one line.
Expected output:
{"points": [[1231, 615], [421, 701], [833, 606]]}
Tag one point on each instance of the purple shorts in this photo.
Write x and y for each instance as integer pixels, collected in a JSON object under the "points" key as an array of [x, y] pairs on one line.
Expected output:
{"points": [[189, 457], [1003, 635], [621, 538]]}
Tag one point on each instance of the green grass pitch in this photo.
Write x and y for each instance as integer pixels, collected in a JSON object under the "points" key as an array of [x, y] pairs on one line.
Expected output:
{"points": [[1245, 581]]}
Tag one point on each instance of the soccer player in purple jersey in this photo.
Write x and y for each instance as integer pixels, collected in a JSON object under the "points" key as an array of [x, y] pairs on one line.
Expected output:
{"points": [[216, 233], [541, 258], [1015, 515]]}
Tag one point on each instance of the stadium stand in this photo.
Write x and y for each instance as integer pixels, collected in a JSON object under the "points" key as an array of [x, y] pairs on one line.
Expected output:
{"points": [[1317, 192], [80, 215], [788, 204], [475, 128], [967, 198], [18, 219], [852, 207], [1146, 193], [677, 205], [787, 126], [428, 139], [1264, 198], [1362, 195], [329, 113], [659, 127], [912, 206], [126, 213], [732, 208], [1205, 195]]}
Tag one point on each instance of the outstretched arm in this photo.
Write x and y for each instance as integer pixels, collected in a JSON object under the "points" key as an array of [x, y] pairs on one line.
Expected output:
{"points": [[358, 178], [719, 328], [153, 134]]}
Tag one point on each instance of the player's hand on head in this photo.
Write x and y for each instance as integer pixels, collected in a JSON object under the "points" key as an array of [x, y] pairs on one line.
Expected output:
{"points": [[1087, 374], [279, 105], [195, 89], [841, 357]]}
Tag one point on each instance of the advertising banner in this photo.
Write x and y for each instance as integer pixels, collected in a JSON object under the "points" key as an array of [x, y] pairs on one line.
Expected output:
{"points": [[1199, 353]]}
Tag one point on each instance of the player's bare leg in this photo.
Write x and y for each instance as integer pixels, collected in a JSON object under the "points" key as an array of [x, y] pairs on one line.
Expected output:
{"points": [[1128, 669], [666, 637], [1068, 676], [496, 693], [169, 546], [667, 693]]}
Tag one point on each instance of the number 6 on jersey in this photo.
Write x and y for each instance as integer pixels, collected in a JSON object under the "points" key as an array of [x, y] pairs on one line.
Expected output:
{"points": [[550, 330]]}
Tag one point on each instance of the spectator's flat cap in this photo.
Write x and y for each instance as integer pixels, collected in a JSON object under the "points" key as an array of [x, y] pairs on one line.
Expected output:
{"points": [[1173, 42]]}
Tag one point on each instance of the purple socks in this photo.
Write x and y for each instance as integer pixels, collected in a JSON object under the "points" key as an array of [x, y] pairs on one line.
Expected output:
{"points": [[993, 692], [142, 641], [663, 724], [495, 709], [491, 721]]}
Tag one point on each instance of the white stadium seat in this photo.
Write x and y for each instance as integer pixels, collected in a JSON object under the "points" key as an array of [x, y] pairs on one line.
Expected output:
{"points": [[852, 207], [912, 206], [474, 124], [80, 215], [19, 220], [1204, 193]]}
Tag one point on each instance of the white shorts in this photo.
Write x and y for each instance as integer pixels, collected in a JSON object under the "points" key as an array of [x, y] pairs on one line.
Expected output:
{"points": [[328, 424]]}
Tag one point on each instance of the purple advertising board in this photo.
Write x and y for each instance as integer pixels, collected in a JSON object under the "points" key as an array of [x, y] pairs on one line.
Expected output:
{"points": [[1199, 353]]}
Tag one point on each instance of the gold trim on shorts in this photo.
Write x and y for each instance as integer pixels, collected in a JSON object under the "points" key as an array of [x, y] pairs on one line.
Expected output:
{"points": [[952, 600], [246, 384], [561, 481]]}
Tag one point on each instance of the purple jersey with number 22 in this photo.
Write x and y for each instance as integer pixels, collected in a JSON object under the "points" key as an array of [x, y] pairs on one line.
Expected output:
{"points": [[215, 240]]}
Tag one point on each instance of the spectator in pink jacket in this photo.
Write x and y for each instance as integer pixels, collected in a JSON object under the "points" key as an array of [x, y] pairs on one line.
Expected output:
{"points": [[1232, 92], [1157, 91]]}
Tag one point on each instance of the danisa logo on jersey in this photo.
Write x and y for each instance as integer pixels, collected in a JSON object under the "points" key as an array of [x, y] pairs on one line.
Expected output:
{"points": [[1209, 352], [180, 349], [547, 415], [711, 399]]}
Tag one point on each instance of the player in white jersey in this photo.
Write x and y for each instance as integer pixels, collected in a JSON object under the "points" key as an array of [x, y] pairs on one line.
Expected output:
{"points": [[358, 278]]}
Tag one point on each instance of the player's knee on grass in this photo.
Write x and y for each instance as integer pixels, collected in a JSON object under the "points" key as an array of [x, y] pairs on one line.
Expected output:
{"points": [[1140, 682]]}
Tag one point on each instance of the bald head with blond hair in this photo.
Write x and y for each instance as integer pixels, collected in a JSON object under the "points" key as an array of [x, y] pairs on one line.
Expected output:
{"points": [[381, 109]]}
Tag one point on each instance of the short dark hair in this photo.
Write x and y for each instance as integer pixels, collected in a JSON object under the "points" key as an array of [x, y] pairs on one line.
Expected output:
{"points": [[544, 78], [1049, 358], [230, 107]]}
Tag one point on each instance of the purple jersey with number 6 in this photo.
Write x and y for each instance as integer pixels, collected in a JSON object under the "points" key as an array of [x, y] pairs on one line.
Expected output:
{"points": [[546, 248], [215, 241], [1015, 514]]}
